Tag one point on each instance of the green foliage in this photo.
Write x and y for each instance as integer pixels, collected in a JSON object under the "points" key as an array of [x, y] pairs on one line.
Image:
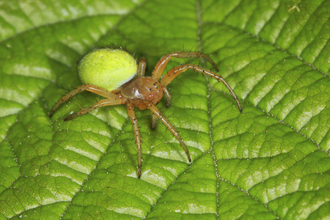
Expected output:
{"points": [[270, 161]]}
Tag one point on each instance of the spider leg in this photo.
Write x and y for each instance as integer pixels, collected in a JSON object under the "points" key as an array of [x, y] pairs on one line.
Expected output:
{"points": [[169, 126], [168, 97], [130, 110], [182, 68], [142, 67], [88, 87], [164, 60], [154, 121], [101, 103], [168, 104], [116, 91]]}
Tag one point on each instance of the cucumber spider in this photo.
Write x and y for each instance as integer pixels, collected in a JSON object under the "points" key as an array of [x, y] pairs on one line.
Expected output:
{"points": [[141, 92]]}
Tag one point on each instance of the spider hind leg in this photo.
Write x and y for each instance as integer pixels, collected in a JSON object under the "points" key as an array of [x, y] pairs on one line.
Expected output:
{"points": [[101, 103], [88, 87]]}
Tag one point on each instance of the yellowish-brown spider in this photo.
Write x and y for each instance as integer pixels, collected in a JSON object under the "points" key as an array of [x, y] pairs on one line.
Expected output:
{"points": [[141, 92]]}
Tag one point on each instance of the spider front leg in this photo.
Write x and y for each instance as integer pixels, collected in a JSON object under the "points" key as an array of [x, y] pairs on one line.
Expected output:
{"points": [[130, 110], [182, 68], [160, 66], [169, 126], [101, 103], [88, 87]]}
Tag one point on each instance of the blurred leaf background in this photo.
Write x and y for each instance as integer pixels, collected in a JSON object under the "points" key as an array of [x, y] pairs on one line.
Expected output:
{"points": [[269, 162]]}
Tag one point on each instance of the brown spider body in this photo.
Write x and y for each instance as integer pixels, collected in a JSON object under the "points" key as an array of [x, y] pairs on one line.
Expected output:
{"points": [[144, 93]]}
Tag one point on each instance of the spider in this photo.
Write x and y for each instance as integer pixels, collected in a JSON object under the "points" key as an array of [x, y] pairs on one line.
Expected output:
{"points": [[143, 92]]}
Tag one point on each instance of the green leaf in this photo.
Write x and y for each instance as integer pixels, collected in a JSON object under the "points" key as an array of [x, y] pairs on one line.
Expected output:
{"points": [[272, 161]]}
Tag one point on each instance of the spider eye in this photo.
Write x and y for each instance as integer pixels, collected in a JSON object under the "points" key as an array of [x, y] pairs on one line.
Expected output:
{"points": [[150, 90]]}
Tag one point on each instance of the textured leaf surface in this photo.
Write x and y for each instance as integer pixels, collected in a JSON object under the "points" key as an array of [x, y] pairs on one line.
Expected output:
{"points": [[270, 161]]}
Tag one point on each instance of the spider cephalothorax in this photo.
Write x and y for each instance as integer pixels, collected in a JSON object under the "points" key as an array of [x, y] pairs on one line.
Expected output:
{"points": [[141, 92]]}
